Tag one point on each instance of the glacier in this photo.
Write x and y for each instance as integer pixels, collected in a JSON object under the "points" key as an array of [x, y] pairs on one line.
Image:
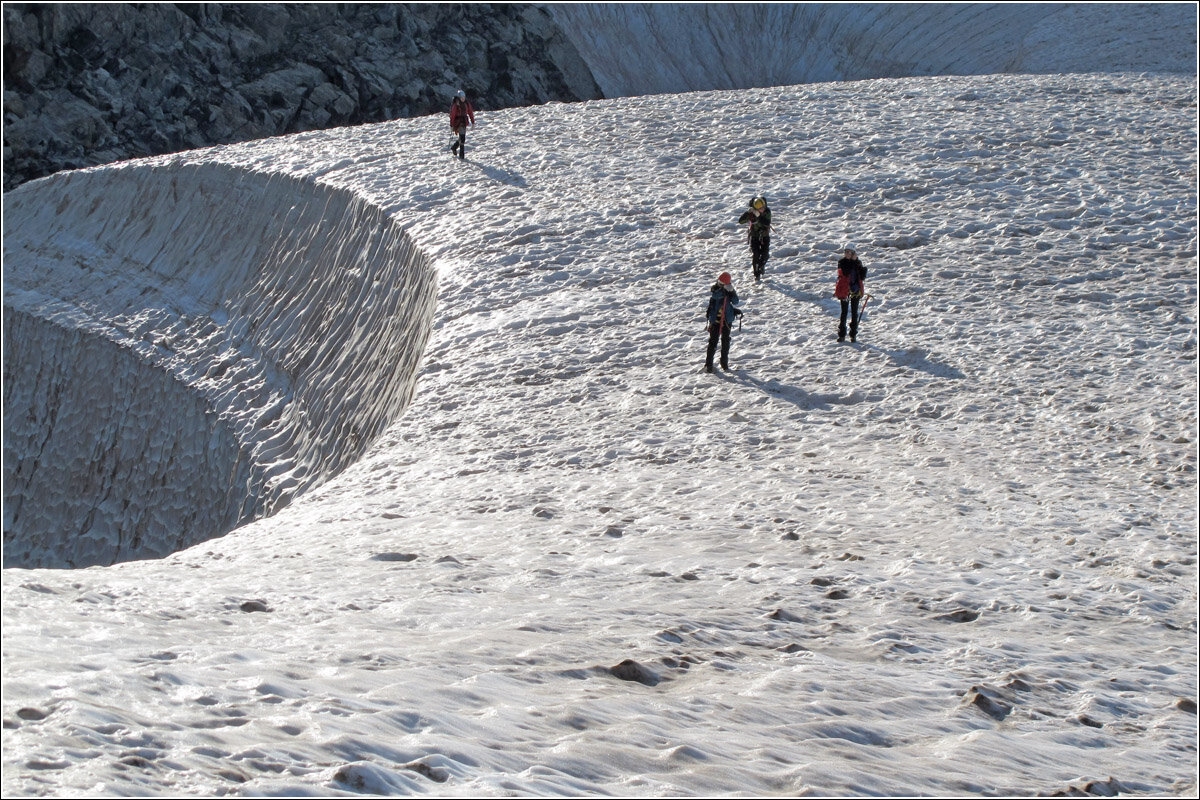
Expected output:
{"points": [[654, 48], [957, 558], [188, 348]]}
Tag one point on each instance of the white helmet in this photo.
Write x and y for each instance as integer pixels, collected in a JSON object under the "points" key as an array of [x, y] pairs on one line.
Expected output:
{"points": [[851, 248], [460, 94]]}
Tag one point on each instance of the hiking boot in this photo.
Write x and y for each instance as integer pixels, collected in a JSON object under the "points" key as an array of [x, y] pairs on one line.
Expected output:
{"points": [[708, 367]]}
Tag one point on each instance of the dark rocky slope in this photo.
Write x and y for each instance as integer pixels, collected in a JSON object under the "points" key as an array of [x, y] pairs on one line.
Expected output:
{"points": [[88, 84]]}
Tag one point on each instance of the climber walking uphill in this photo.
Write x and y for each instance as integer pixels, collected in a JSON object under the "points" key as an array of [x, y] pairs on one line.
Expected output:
{"points": [[461, 115], [850, 287], [758, 217], [722, 308]]}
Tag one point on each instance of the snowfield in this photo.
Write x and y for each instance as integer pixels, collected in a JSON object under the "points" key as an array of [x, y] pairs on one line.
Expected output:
{"points": [[955, 558]]}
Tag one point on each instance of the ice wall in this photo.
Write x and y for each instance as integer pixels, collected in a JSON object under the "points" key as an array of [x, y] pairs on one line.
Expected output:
{"points": [[190, 347], [637, 49]]}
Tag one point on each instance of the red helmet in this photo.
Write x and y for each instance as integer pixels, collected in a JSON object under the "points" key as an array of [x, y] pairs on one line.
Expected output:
{"points": [[725, 278]]}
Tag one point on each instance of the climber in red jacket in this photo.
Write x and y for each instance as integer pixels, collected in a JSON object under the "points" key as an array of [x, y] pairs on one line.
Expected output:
{"points": [[461, 115]]}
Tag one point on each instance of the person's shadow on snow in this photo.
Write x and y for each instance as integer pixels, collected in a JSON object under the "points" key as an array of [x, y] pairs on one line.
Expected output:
{"points": [[819, 299], [501, 175], [808, 401], [918, 359], [910, 358]]}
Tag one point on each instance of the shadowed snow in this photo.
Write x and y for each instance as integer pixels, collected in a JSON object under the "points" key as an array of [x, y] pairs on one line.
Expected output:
{"points": [[188, 348], [652, 48]]}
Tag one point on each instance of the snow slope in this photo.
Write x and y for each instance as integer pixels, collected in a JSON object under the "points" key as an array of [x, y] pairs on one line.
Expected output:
{"points": [[652, 48], [958, 557]]}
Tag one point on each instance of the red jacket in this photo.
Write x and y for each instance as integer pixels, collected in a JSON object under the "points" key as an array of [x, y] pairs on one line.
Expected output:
{"points": [[461, 113], [851, 276]]}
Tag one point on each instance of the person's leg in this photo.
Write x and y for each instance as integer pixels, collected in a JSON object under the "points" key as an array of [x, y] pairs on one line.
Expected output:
{"points": [[713, 333], [842, 322], [462, 142], [760, 250], [854, 317], [725, 332]]}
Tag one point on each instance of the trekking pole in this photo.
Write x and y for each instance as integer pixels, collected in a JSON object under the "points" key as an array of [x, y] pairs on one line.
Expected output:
{"points": [[862, 313]]}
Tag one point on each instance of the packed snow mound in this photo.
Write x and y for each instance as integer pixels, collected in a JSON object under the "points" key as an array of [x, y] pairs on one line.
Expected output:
{"points": [[190, 347], [636, 49]]}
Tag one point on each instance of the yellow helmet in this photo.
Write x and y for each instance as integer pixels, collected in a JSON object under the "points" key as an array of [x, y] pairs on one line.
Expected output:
{"points": [[759, 203]]}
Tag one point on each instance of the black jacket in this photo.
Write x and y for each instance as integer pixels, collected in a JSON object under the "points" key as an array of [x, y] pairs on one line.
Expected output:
{"points": [[760, 223], [855, 273]]}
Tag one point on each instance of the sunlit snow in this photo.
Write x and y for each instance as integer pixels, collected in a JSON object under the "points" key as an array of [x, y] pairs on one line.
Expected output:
{"points": [[955, 558]]}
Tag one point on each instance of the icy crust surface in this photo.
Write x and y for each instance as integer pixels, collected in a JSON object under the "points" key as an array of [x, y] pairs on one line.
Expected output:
{"points": [[649, 48], [106, 457], [957, 558], [187, 348]]}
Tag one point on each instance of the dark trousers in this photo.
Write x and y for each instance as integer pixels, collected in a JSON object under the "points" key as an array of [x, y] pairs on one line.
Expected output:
{"points": [[459, 148], [760, 251], [723, 331], [850, 305]]}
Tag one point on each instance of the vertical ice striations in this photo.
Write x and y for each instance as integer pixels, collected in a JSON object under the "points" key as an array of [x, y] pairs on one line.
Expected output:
{"points": [[190, 347], [663, 48]]}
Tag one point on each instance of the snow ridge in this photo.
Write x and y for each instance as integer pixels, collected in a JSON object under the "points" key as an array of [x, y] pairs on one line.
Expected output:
{"points": [[256, 332]]}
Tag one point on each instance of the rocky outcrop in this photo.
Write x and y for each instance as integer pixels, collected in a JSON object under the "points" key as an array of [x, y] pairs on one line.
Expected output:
{"points": [[94, 83]]}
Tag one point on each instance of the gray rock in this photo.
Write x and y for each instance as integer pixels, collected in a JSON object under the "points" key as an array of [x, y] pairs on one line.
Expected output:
{"points": [[86, 84], [630, 670]]}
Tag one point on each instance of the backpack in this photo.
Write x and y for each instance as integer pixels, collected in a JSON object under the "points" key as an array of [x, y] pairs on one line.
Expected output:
{"points": [[844, 288]]}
